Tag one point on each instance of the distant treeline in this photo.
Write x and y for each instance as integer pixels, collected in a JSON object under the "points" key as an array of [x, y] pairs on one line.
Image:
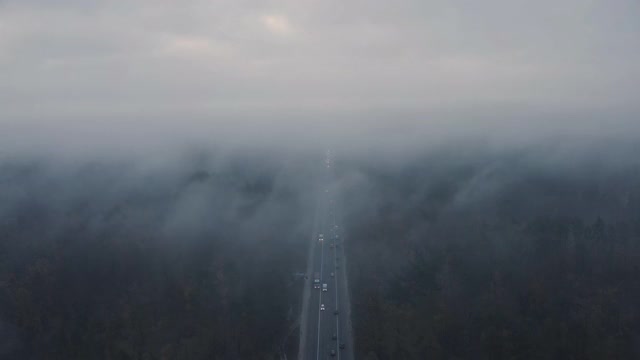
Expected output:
{"points": [[115, 262], [494, 257]]}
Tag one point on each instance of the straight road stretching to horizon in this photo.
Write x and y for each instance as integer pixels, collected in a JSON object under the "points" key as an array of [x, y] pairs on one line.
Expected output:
{"points": [[323, 331]]}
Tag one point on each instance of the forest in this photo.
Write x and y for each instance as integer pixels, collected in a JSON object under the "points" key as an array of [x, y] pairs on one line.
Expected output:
{"points": [[453, 253], [476, 255], [193, 259]]}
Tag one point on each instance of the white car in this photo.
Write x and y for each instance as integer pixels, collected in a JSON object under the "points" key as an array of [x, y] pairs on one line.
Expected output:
{"points": [[322, 307]]}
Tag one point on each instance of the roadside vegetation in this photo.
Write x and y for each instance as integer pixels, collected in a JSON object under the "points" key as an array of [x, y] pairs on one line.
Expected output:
{"points": [[471, 256], [108, 261]]}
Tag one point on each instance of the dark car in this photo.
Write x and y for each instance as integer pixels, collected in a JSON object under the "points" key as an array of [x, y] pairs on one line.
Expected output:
{"points": [[342, 346], [333, 352], [335, 312], [334, 337]]}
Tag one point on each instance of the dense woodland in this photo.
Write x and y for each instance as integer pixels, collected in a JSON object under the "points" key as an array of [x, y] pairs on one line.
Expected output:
{"points": [[455, 254], [532, 255], [189, 260]]}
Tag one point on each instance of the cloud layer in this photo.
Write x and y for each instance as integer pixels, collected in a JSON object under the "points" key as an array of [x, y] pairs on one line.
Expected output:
{"points": [[163, 63]]}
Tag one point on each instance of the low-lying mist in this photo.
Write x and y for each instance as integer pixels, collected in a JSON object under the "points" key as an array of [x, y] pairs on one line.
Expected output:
{"points": [[473, 253], [467, 248], [162, 165], [121, 260]]}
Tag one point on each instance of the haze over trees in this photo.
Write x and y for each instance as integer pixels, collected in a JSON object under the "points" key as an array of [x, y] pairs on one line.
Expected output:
{"points": [[111, 261], [159, 167], [458, 252], [521, 255]]}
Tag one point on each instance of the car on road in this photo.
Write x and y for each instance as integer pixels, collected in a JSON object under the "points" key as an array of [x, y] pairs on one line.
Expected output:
{"points": [[334, 337], [333, 274], [333, 352], [316, 280], [342, 346], [324, 287], [322, 307], [335, 312]]}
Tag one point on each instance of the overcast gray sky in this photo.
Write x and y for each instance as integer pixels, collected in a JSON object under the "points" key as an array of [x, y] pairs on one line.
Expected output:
{"points": [[68, 65]]}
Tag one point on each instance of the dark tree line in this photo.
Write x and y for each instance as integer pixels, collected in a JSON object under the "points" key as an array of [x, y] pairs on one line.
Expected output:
{"points": [[495, 258], [112, 262], [454, 255]]}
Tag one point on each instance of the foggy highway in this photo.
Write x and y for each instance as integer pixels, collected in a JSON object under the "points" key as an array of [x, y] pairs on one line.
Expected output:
{"points": [[324, 330], [194, 179]]}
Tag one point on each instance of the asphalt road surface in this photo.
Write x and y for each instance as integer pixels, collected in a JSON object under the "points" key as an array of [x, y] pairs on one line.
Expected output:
{"points": [[319, 327]]}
